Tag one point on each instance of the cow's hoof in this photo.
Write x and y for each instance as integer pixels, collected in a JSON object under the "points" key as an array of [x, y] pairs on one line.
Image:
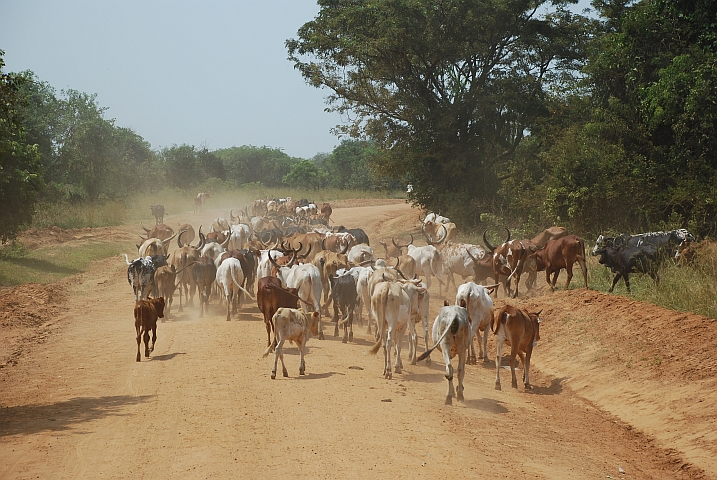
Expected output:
{"points": [[449, 400], [321, 335], [301, 372], [528, 386], [336, 333], [285, 373], [398, 370], [344, 340], [351, 337], [497, 386], [139, 358], [514, 385], [273, 375], [459, 397]]}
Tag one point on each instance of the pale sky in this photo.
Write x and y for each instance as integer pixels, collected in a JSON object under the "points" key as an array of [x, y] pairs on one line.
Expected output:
{"points": [[209, 73], [178, 72]]}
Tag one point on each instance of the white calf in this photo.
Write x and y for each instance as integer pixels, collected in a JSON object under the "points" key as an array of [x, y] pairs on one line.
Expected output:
{"points": [[476, 300], [297, 327]]}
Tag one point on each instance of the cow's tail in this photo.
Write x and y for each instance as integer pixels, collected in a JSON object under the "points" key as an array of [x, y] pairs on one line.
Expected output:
{"points": [[502, 318], [437, 268], [380, 314], [231, 271], [443, 335]]}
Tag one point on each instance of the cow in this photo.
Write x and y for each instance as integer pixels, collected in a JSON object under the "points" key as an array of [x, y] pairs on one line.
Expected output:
{"points": [[559, 254], [306, 240], [461, 259], [189, 234], [328, 263], [433, 217], [160, 231], [258, 208], [140, 275], [395, 250], [157, 213], [424, 299], [509, 260], [229, 278], [433, 230], [452, 335], [477, 302], [307, 279], [406, 266], [181, 258], [360, 254], [270, 296], [357, 233], [665, 242], [238, 237], [164, 278], [626, 260], [146, 313], [199, 201], [338, 242], [552, 233], [204, 272], [428, 263], [326, 212], [153, 246], [520, 329], [393, 305], [343, 293], [296, 326]]}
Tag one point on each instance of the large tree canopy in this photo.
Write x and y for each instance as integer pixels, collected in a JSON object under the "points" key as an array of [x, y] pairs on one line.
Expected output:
{"points": [[446, 89]]}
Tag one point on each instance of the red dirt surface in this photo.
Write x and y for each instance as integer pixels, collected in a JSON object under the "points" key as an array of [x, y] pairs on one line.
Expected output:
{"points": [[621, 390]]}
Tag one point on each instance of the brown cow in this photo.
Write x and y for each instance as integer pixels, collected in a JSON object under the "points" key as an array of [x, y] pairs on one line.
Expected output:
{"points": [[559, 254], [146, 313], [326, 212], [552, 233], [693, 253], [509, 259], [164, 279], [160, 231], [181, 258], [190, 234], [270, 296], [521, 330], [395, 250]]}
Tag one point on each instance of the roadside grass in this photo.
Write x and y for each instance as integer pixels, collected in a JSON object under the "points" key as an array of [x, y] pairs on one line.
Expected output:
{"points": [[50, 264]]}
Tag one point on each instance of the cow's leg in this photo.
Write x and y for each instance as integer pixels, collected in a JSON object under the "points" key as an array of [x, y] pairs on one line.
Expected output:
{"points": [[280, 350], [145, 337], [335, 319], [626, 277], [614, 282], [449, 375], [387, 369], [277, 352], [513, 378], [267, 323], [461, 373], [351, 324], [526, 368], [412, 342], [484, 343], [139, 341], [425, 339], [154, 336], [229, 303], [302, 352], [498, 357], [397, 342], [584, 268], [568, 269]]}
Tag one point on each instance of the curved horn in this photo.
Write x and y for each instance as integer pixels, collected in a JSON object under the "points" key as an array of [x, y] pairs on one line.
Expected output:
{"points": [[307, 252], [421, 219], [428, 239], [323, 244], [202, 240], [166, 242], [475, 260], [126, 259], [294, 256], [145, 228], [179, 239], [398, 262], [271, 259], [143, 239], [487, 243], [225, 243], [445, 234], [507, 239], [231, 215]]}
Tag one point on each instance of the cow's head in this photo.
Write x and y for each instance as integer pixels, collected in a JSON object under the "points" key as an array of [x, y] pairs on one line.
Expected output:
{"points": [[158, 304], [314, 323]]}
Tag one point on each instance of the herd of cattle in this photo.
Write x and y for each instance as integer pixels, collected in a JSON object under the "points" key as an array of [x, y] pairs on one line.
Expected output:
{"points": [[289, 250]]}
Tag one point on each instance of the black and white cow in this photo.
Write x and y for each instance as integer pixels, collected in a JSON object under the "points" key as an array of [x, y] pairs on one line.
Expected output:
{"points": [[665, 242], [140, 274]]}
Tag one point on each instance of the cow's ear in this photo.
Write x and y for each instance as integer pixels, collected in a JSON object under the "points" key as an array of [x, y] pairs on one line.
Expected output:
{"points": [[445, 303], [315, 314]]}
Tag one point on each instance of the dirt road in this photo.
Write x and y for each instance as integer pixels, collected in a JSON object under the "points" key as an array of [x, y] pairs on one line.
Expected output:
{"points": [[75, 404]]}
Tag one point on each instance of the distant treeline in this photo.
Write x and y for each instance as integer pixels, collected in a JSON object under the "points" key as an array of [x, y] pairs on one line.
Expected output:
{"points": [[495, 115]]}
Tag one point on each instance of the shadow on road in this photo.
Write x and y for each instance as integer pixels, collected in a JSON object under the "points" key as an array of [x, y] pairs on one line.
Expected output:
{"points": [[555, 388], [169, 356], [30, 419], [487, 405]]}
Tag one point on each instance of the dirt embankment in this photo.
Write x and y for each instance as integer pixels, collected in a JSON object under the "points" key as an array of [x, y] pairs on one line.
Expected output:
{"points": [[618, 386]]}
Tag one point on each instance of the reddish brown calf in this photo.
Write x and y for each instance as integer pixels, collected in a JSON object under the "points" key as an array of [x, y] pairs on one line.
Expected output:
{"points": [[146, 313], [271, 296]]}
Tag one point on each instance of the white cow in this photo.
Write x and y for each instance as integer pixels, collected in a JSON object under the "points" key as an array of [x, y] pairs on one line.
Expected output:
{"points": [[230, 276], [305, 277], [476, 300], [457, 259], [360, 254], [436, 218], [422, 316], [238, 237], [264, 266], [296, 326], [452, 334], [393, 304], [428, 263]]}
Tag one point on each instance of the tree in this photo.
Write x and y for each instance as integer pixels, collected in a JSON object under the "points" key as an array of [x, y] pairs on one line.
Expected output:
{"points": [[305, 174], [446, 89], [20, 169]]}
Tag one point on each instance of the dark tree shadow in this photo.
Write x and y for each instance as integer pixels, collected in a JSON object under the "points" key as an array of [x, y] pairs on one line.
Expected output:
{"points": [[30, 419], [42, 266]]}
